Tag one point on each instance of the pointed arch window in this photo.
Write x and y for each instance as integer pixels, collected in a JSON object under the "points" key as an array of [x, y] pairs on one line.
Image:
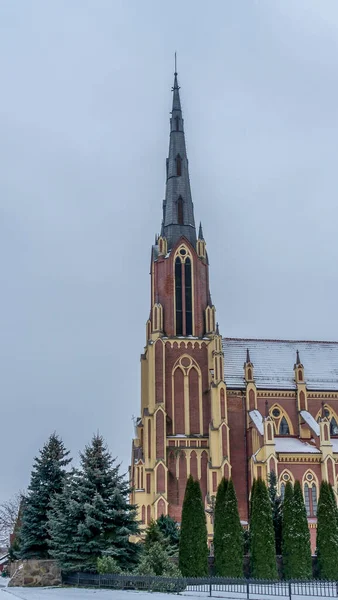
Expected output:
{"points": [[310, 498], [178, 296], [284, 427], [188, 297], [333, 427], [177, 123], [178, 166], [180, 211], [183, 292]]}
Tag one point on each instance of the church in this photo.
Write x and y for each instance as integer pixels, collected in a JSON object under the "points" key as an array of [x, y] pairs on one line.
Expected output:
{"points": [[218, 407]]}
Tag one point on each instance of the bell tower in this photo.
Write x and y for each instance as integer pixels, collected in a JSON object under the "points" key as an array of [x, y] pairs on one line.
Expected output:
{"points": [[182, 428]]}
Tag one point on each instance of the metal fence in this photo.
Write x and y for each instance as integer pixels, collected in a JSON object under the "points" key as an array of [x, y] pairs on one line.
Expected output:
{"points": [[209, 586]]}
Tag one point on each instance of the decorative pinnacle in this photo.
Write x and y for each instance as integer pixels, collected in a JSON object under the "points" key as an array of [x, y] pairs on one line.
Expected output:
{"points": [[248, 356], [175, 63], [217, 329], [200, 232], [297, 358], [266, 409]]}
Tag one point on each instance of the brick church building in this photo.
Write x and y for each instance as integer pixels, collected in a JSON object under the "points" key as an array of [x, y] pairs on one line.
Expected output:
{"points": [[213, 406]]}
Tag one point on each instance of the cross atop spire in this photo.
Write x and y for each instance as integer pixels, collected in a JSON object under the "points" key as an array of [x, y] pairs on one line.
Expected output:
{"points": [[178, 209]]}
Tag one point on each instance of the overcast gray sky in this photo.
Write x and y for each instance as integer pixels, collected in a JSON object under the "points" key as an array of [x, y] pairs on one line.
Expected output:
{"points": [[84, 118]]}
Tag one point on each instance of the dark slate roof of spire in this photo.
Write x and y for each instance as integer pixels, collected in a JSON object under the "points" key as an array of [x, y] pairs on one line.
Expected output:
{"points": [[177, 185], [274, 363]]}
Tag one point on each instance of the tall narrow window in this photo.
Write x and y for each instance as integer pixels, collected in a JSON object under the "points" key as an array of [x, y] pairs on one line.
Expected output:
{"points": [[180, 211], [177, 121], [333, 427], [310, 497], [284, 427], [282, 490], [178, 166], [178, 296], [188, 297]]}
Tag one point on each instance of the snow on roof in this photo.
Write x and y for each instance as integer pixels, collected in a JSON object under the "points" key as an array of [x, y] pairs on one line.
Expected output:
{"points": [[334, 443], [309, 419], [257, 419], [289, 444], [274, 360]]}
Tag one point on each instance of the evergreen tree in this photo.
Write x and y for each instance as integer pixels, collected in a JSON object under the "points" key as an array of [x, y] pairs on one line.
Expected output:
{"points": [[327, 534], [287, 530], [193, 547], [169, 528], [252, 495], [153, 534], [302, 568], [297, 562], [262, 536], [233, 536], [276, 505], [47, 479], [98, 512], [219, 527]]}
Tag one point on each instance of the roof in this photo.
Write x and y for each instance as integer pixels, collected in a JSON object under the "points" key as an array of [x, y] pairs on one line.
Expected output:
{"points": [[274, 360], [292, 445]]}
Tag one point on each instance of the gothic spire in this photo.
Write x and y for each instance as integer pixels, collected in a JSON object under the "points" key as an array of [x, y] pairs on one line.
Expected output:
{"points": [[178, 209]]}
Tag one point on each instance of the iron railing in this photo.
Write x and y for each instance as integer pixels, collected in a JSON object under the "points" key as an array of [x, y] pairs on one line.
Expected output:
{"points": [[211, 586]]}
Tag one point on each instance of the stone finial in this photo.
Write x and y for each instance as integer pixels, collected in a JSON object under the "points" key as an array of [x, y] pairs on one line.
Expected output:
{"points": [[297, 358], [248, 356], [200, 232], [266, 409], [323, 411], [217, 329]]}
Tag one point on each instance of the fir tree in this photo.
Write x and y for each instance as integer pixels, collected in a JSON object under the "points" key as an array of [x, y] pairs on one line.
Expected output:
{"points": [[99, 513], [287, 529], [47, 479], [233, 536], [193, 547], [153, 535], [327, 534], [219, 527], [262, 536], [169, 528], [276, 505]]}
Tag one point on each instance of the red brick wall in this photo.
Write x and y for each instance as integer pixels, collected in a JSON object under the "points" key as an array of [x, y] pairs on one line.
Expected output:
{"points": [[179, 422], [160, 476], [160, 434], [238, 459], [159, 370], [194, 401]]}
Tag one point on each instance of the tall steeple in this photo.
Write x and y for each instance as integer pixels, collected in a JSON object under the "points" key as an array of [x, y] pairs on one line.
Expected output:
{"points": [[178, 209]]}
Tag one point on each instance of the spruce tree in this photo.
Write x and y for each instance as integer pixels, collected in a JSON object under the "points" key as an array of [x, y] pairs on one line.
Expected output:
{"points": [[262, 535], [47, 479], [169, 529], [99, 513], [193, 546], [233, 536], [287, 530], [276, 505], [327, 534], [219, 527]]}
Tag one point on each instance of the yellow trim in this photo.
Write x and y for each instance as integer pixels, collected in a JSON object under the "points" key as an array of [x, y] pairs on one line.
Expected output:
{"points": [[331, 411]]}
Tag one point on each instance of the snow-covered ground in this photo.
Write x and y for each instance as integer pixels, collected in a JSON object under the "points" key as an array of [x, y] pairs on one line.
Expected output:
{"points": [[85, 594]]}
